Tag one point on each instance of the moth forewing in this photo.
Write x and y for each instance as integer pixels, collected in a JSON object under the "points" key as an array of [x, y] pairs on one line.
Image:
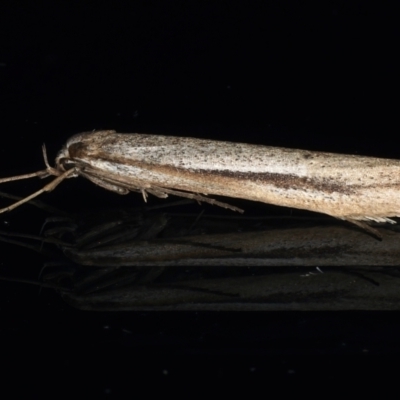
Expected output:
{"points": [[348, 187]]}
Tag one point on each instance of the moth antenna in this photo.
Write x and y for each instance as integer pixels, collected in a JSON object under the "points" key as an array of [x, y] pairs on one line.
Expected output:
{"points": [[46, 161], [47, 188], [40, 174], [51, 170]]}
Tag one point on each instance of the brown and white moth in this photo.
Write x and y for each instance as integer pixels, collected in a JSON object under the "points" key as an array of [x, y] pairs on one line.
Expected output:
{"points": [[348, 187]]}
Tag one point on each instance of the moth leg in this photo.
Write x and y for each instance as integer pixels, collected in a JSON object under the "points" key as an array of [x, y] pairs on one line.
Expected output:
{"points": [[157, 193], [37, 203], [104, 184], [40, 174], [47, 188], [364, 226], [199, 198], [119, 188], [138, 186]]}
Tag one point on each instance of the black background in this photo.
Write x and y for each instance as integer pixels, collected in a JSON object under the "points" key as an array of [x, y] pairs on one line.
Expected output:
{"points": [[319, 77]]}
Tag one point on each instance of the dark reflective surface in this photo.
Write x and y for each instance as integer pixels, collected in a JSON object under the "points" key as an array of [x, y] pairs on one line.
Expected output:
{"points": [[149, 260], [164, 314]]}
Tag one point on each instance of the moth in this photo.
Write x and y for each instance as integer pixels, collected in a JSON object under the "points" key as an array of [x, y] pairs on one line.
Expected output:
{"points": [[357, 189]]}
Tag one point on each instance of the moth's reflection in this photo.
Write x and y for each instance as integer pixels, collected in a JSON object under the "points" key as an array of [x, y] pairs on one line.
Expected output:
{"points": [[131, 260]]}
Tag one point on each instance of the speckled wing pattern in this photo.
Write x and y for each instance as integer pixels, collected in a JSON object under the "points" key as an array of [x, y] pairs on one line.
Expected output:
{"points": [[344, 186]]}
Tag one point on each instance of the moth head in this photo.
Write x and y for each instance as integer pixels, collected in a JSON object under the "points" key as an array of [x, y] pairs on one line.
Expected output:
{"points": [[63, 170], [66, 157], [76, 148]]}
